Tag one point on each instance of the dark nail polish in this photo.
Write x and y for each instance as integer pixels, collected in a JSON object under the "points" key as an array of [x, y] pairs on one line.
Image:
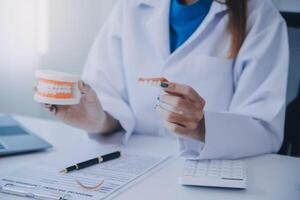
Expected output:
{"points": [[51, 108], [158, 98], [164, 85]]}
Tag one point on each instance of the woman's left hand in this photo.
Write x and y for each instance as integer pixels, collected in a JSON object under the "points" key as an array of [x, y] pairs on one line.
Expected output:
{"points": [[186, 118]]}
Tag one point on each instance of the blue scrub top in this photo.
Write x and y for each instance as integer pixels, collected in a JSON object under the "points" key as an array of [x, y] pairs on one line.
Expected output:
{"points": [[185, 19]]}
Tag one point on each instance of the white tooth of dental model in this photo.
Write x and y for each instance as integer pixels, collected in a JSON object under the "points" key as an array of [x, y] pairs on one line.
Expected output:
{"points": [[57, 88], [152, 81]]}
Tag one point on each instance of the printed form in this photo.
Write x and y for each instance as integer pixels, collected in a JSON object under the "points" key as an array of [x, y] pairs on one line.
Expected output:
{"points": [[45, 179]]}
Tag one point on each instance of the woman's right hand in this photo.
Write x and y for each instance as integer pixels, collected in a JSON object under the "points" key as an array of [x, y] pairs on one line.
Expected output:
{"points": [[87, 115]]}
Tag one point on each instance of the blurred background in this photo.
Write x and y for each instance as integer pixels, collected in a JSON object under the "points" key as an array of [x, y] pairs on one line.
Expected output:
{"points": [[37, 34], [57, 34]]}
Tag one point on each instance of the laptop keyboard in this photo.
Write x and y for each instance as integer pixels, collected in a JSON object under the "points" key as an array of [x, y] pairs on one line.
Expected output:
{"points": [[11, 131]]}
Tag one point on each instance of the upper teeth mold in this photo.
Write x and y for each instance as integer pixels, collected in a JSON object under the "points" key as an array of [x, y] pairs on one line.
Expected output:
{"points": [[152, 81]]}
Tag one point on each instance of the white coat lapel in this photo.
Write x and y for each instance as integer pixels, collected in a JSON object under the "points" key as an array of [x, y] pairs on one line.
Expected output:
{"points": [[216, 9], [158, 27]]}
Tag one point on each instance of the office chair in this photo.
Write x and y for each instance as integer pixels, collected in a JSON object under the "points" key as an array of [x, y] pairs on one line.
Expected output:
{"points": [[291, 142]]}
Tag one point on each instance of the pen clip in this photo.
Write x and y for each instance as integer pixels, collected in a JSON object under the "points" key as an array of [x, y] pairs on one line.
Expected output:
{"points": [[31, 192]]}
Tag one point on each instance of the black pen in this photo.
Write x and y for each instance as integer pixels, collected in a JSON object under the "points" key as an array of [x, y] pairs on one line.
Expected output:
{"points": [[92, 162]]}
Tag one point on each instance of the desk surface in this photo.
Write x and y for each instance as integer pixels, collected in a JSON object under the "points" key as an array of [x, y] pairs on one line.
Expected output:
{"points": [[269, 176]]}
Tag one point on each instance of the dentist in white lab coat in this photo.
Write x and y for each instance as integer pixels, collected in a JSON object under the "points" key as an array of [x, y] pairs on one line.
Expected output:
{"points": [[226, 85]]}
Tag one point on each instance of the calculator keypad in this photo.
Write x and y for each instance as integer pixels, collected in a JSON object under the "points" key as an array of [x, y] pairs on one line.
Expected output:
{"points": [[226, 169]]}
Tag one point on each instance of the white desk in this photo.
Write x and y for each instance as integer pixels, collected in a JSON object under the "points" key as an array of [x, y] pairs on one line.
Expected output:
{"points": [[269, 177]]}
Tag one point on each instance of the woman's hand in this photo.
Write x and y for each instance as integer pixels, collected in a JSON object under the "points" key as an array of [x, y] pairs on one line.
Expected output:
{"points": [[186, 117], [87, 115]]}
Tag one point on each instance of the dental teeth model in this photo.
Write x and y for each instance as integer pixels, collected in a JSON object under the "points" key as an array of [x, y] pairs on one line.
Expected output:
{"points": [[57, 88], [152, 81]]}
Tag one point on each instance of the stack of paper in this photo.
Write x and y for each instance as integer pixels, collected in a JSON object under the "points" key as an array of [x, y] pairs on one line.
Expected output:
{"points": [[45, 178]]}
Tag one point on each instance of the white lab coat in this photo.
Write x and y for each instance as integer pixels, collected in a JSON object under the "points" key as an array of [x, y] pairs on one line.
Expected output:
{"points": [[245, 97]]}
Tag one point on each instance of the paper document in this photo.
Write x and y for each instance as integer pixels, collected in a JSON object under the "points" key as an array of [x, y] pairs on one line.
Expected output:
{"points": [[44, 178]]}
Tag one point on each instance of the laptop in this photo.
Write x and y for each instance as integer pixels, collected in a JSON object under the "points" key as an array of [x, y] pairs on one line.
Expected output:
{"points": [[15, 139]]}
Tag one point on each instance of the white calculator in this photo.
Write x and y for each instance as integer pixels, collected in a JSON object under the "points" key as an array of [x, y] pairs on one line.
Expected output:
{"points": [[214, 173]]}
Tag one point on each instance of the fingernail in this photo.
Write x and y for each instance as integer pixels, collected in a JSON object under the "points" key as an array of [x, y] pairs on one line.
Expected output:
{"points": [[158, 98], [46, 105], [51, 108], [164, 85]]}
